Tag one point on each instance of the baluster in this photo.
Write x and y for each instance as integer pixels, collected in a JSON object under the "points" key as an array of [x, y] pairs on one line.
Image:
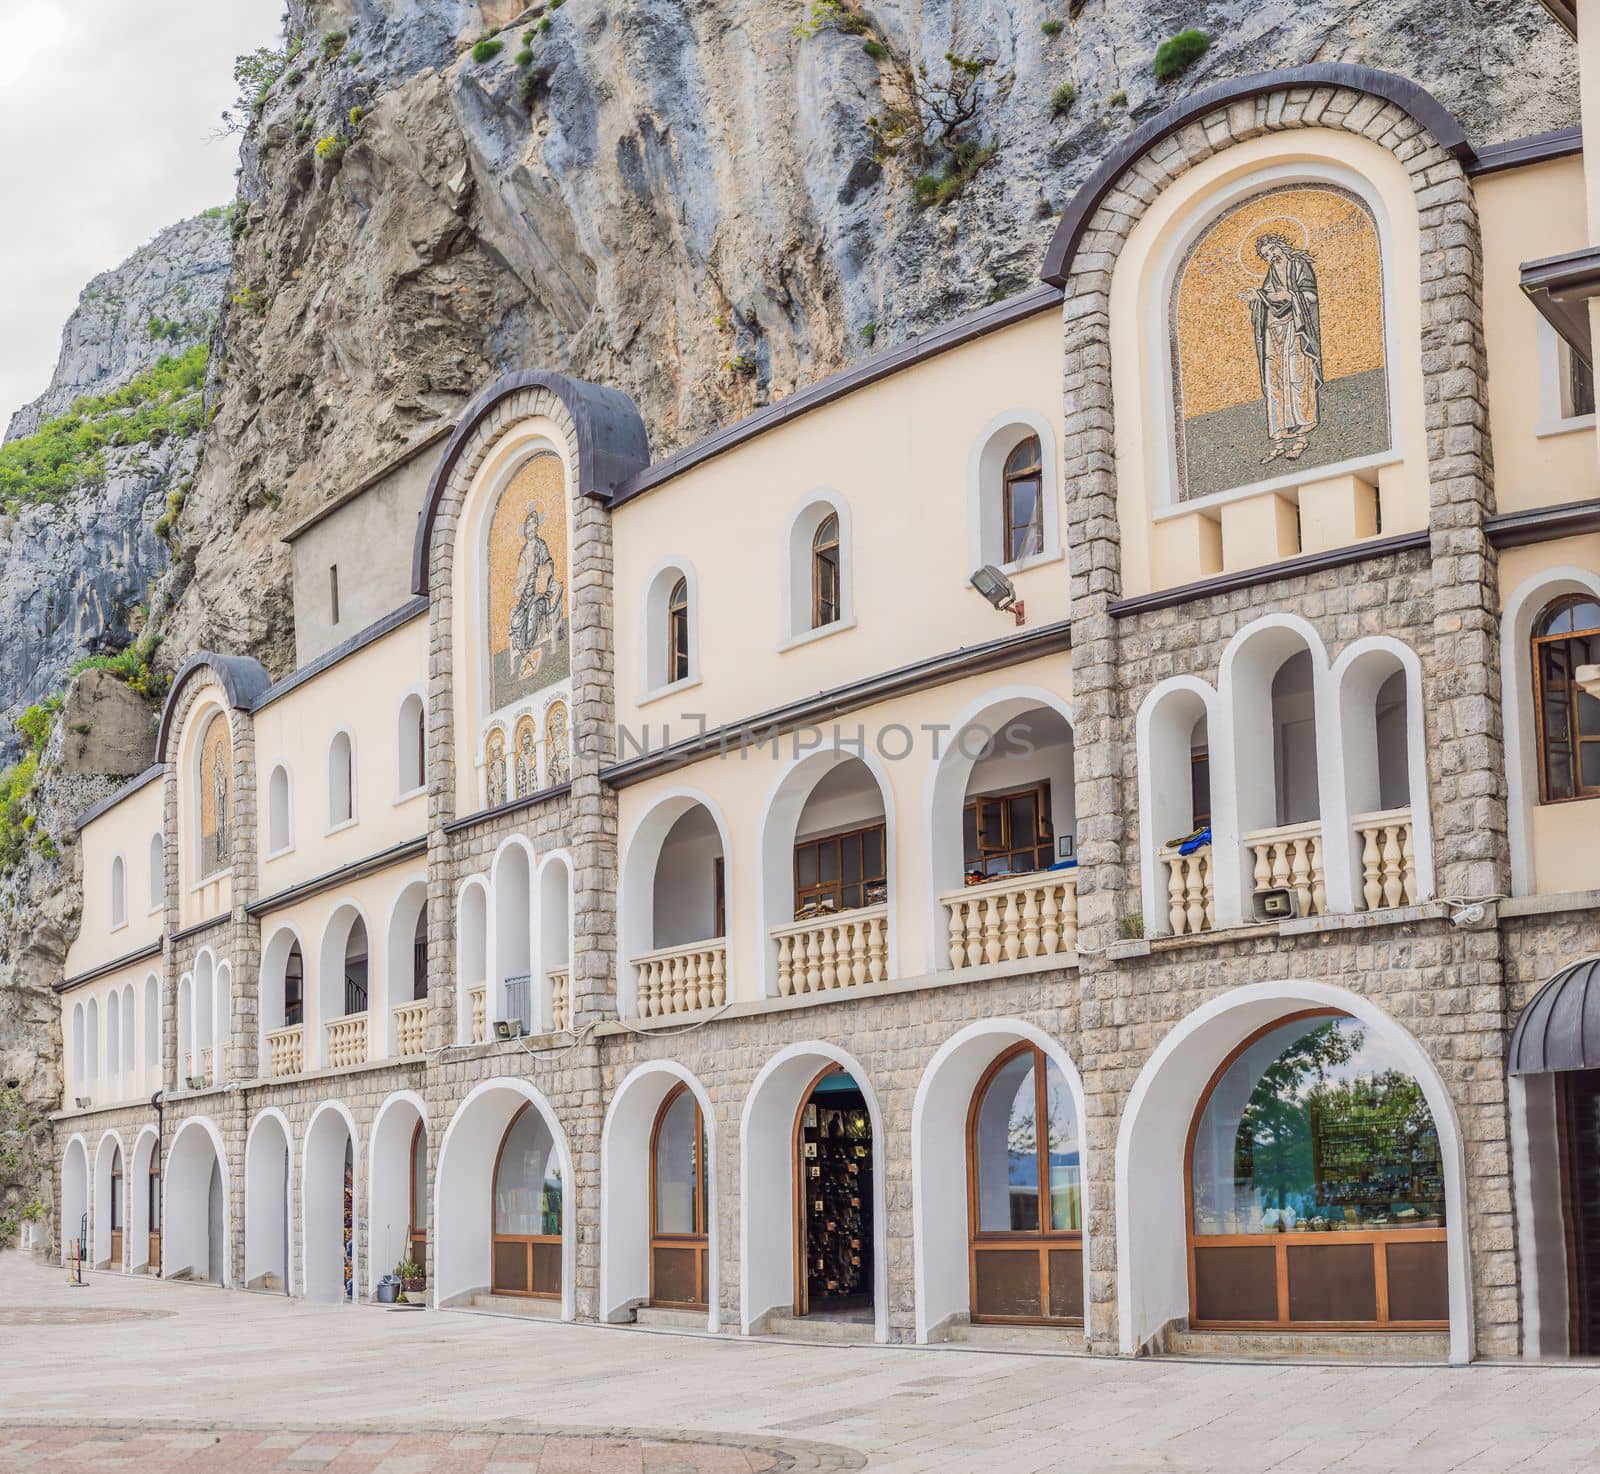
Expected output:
{"points": [[785, 966], [973, 910], [1392, 888], [1177, 911], [703, 961], [1319, 890], [1300, 875], [830, 957], [1069, 916], [991, 929], [858, 953], [650, 989], [1194, 910], [958, 933], [1050, 933], [1371, 886], [1263, 876], [877, 949], [1010, 927], [1409, 858], [719, 977], [1030, 921]]}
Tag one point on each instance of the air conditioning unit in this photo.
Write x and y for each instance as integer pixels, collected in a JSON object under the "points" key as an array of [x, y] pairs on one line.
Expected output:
{"points": [[1278, 903]]}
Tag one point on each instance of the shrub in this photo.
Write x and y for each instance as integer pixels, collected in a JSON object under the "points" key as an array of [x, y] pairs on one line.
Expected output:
{"points": [[1052, 27], [36, 721], [1180, 51], [875, 49], [962, 167], [356, 115], [1130, 925], [331, 149], [486, 49], [1061, 100], [544, 24], [333, 43], [869, 331], [132, 665], [831, 15], [535, 86], [524, 57], [1117, 99], [743, 366]]}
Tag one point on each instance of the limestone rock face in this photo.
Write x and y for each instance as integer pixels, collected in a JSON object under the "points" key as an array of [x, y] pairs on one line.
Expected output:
{"points": [[110, 730]]}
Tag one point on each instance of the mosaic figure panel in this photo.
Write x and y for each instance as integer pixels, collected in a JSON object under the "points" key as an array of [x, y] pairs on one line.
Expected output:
{"points": [[216, 776], [529, 632], [1277, 338], [558, 765], [494, 769], [527, 764]]}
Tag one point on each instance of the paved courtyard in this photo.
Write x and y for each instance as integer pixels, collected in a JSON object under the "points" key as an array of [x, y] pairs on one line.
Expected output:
{"points": [[140, 1376]]}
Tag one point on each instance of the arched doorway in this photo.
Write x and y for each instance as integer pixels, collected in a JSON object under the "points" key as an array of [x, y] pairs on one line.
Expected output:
{"points": [[75, 1201], [833, 1165], [115, 1206], [144, 1204], [327, 1196], [527, 1210], [195, 1221], [1025, 1193], [105, 1219], [397, 1174], [266, 1204], [678, 1203], [1316, 1193]]}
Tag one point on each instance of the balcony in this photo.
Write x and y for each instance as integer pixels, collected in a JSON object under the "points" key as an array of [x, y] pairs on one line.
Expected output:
{"points": [[1191, 895], [1388, 859], [1013, 918], [410, 1028], [681, 979], [347, 1041], [824, 953], [1290, 856], [285, 1051]]}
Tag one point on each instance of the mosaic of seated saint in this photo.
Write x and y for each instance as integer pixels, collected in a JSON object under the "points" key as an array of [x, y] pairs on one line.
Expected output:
{"points": [[529, 635], [1277, 328]]}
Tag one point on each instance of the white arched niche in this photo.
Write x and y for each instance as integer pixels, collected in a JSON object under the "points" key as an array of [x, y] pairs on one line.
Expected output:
{"points": [[331, 1142], [268, 1153], [196, 1220], [389, 1183], [512, 882], [625, 1175], [140, 1163], [408, 926], [74, 1197], [472, 950], [108, 1153]]}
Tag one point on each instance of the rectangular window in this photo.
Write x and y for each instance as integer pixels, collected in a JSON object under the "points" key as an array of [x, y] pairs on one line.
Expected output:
{"points": [[841, 872], [333, 593], [294, 998], [1200, 785], [1007, 833]]}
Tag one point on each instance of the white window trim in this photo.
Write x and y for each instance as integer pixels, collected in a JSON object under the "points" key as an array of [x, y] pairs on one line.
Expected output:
{"points": [[1551, 420], [116, 925], [335, 825], [986, 487], [688, 683], [653, 629], [795, 569], [405, 795], [810, 637]]}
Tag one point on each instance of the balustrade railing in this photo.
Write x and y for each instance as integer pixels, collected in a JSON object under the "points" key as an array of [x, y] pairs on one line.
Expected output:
{"points": [[1388, 859], [347, 1040], [410, 1028], [1191, 897], [1291, 856], [1013, 918], [838, 951], [286, 1051], [560, 997], [682, 979], [478, 997], [202, 1067]]}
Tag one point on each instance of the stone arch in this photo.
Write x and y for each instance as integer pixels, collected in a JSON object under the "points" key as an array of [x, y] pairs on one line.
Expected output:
{"points": [[106, 1153], [407, 915], [140, 1162], [196, 1212], [939, 1113], [389, 1208], [330, 1133], [268, 1165], [625, 1187], [473, 909], [463, 1184], [74, 1195], [766, 1182], [1153, 1136]]}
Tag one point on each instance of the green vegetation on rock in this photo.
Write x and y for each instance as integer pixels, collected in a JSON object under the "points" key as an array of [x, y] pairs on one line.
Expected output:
{"points": [[1180, 51]]}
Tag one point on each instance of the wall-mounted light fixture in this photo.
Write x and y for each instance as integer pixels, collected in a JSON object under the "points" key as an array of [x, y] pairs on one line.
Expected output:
{"points": [[998, 590]]}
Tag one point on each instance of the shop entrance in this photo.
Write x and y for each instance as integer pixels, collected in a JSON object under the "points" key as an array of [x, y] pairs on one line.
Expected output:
{"points": [[833, 1197], [1578, 1108]]}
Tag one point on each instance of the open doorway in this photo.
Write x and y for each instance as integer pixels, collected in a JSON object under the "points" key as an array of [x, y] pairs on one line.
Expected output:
{"points": [[1578, 1126], [833, 1190]]}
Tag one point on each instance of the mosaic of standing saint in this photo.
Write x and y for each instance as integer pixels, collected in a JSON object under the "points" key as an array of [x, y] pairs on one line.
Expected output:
{"points": [[1277, 333], [529, 634], [215, 762]]}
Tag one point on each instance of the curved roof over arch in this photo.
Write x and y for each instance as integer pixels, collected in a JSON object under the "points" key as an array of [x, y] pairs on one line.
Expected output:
{"points": [[1560, 1027], [612, 444], [1422, 106], [241, 678]]}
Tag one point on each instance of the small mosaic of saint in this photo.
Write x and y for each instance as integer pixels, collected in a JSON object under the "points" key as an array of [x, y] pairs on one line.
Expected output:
{"points": [[527, 768], [1277, 328], [529, 637], [494, 769], [558, 763], [215, 762]]}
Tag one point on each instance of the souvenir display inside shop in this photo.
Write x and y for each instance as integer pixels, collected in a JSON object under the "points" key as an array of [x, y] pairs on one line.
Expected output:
{"points": [[835, 1182]]}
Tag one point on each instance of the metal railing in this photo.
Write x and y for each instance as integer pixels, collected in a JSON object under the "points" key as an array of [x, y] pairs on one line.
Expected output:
{"points": [[517, 1002]]}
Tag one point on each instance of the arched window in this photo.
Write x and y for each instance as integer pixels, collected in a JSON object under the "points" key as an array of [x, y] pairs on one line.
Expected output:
{"points": [[91, 1038], [826, 588], [417, 1233], [341, 780], [678, 631], [80, 1057], [116, 1207], [1316, 1185], [410, 744], [678, 1203], [1025, 1186], [280, 829], [527, 1210], [114, 1034], [1566, 678], [1023, 502], [158, 872], [119, 892]]}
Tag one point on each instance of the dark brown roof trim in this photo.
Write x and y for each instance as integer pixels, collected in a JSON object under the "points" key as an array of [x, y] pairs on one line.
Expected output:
{"points": [[128, 789], [242, 680], [198, 927], [612, 444], [344, 875], [516, 805], [1432, 115], [1249, 578], [116, 964], [970, 660], [953, 334], [413, 608], [1543, 524], [371, 479], [1515, 153], [1566, 12], [1561, 287]]}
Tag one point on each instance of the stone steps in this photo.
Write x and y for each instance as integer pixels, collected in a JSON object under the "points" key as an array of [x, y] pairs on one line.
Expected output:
{"points": [[1063, 1340], [830, 1329], [659, 1317], [1352, 1346], [523, 1305]]}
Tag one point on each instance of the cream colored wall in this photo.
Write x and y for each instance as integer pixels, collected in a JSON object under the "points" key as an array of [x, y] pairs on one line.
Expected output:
{"points": [[198, 900], [740, 789], [363, 693], [468, 590], [124, 830], [1539, 459], [110, 1086], [1140, 378], [897, 452]]}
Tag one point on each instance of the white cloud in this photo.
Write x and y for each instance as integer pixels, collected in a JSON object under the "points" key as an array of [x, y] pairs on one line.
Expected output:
{"points": [[107, 108]]}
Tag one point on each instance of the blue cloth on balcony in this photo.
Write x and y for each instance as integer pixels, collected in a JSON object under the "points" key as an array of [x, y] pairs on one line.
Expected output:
{"points": [[1196, 841]]}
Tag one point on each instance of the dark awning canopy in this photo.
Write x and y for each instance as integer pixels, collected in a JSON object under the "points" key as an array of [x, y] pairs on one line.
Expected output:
{"points": [[1560, 1027]]}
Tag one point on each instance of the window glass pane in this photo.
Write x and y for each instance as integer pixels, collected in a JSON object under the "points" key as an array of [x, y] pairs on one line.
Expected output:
{"points": [[872, 854], [1316, 1122], [419, 1182], [805, 865], [828, 859], [849, 897], [1585, 616], [850, 858], [1024, 818], [1024, 519], [827, 532], [676, 1161], [1589, 764], [991, 824], [1024, 457], [1005, 1150], [526, 1172], [1066, 1180]]}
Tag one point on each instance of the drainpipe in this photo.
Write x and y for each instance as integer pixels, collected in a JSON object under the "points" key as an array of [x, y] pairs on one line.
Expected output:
{"points": [[157, 1103]]}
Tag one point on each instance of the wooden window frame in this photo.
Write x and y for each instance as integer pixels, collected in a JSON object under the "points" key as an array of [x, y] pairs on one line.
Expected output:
{"points": [[719, 886], [528, 1240], [804, 895], [698, 1239], [117, 1215], [1285, 1244], [1045, 818], [820, 595], [417, 1234], [1577, 739], [1043, 1239], [1010, 476], [1199, 818], [678, 661], [299, 1003]]}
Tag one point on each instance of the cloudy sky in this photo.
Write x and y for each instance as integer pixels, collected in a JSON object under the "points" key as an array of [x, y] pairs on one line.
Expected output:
{"points": [[107, 108]]}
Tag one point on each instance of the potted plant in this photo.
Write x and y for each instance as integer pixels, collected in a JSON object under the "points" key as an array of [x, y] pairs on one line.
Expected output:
{"points": [[409, 1273]]}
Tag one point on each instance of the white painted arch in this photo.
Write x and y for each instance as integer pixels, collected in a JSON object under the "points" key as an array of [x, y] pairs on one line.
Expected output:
{"points": [[474, 907], [268, 1171], [187, 1239], [74, 1192], [145, 1145], [1164, 727], [389, 1182], [1152, 1257], [100, 1219], [939, 1197], [766, 1176], [322, 1202], [795, 568], [986, 462], [625, 1187]]}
